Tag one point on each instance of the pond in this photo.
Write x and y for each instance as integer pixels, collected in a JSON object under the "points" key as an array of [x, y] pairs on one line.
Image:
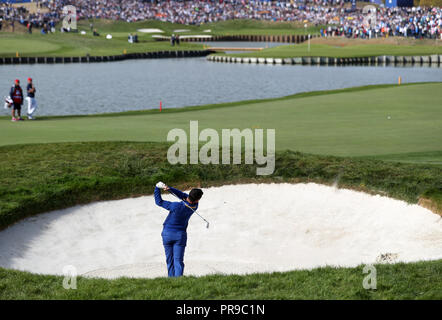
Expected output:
{"points": [[69, 89]]}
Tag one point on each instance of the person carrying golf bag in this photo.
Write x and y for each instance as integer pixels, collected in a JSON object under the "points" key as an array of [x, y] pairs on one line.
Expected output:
{"points": [[174, 227], [16, 95]]}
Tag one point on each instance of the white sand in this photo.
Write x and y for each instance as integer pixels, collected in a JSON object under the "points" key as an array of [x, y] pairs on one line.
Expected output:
{"points": [[253, 228], [200, 36], [150, 30]]}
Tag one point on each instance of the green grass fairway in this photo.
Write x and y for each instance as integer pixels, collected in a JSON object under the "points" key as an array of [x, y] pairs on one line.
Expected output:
{"points": [[72, 44], [434, 157], [342, 48], [349, 122], [60, 45], [9, 46]]}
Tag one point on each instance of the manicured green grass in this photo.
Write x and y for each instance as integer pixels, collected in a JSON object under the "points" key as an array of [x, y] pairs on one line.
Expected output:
{"points": [[364, 48], [399, 281], [60, 45], [79, 45], [42, 177], [349, 122], [413, 157]]}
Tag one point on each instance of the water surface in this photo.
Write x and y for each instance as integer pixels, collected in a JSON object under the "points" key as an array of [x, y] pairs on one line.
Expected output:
{"points": [[67, 89]]}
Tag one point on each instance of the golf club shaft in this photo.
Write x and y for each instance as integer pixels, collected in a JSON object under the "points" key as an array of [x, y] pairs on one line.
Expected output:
{"points": [[189, 207]]}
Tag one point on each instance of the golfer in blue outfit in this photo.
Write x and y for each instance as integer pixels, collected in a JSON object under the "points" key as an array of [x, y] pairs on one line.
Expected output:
{"points": [[174, 227]]}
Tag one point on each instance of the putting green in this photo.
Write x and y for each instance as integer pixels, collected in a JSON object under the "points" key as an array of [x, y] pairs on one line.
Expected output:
{"points": [[322, 50], [355, 122], [62, 44], [11, 46], [342, 47]]}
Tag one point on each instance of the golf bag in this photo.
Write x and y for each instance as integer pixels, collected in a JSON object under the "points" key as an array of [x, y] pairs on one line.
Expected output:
{"points": [[8, 102]]}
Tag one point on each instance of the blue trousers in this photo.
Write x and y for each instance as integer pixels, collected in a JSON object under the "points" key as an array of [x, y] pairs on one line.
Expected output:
{"points": [[174, 243]]}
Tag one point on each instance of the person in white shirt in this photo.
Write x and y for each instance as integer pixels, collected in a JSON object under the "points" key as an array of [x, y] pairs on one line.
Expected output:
{"points": [[32, 103]]}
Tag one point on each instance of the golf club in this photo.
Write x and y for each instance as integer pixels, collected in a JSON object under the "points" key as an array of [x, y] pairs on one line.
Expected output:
{"points": [[207, 222]]}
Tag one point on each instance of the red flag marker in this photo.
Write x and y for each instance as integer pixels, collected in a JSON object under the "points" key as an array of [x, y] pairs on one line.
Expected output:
{"points": [[161, 106]]}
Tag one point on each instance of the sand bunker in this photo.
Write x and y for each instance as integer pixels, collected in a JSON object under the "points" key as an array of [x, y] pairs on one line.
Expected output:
{"points": [[253, 228], [196, 36], [150, 30]]}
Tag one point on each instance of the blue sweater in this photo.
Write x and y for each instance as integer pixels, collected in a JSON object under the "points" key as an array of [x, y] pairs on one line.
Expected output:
{"points": [[179, 212]]}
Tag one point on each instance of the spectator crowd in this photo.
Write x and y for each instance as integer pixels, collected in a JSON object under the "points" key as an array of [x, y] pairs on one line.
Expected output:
{"points": [[338, 18], [42, 19]]}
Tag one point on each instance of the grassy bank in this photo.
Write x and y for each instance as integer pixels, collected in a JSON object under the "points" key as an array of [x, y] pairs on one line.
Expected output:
{"points": [[42, 177], [348, 122], [345, 48], [400, 281]]}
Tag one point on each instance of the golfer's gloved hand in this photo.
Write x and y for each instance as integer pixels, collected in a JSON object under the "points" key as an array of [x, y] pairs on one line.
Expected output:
{"points": [[161, 185]]}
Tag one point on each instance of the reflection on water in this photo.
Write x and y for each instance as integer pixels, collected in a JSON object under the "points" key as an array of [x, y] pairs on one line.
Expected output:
{"points": [[64, 89]]}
